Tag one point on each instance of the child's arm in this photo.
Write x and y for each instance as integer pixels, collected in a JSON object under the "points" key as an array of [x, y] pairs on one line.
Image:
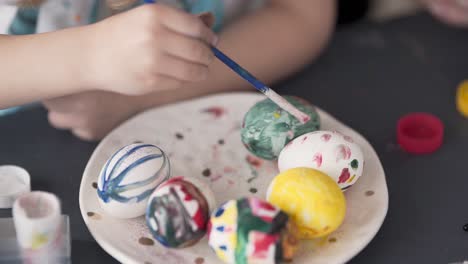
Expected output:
{"points": [[271, 43], [39, 66], [144, 50]]}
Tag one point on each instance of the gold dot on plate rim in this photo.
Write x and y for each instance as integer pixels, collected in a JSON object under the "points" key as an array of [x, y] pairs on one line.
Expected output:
{"points": [[94, 215], [199, 260], [146, 241]]}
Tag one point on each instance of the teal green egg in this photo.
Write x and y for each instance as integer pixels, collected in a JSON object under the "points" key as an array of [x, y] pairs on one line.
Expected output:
{"points": [[267, 128]]}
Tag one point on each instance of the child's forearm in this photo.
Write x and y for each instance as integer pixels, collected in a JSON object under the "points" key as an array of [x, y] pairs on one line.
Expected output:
{"points": [[34, 67], [271, 43]]}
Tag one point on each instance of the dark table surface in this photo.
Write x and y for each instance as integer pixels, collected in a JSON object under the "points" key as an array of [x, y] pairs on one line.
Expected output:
{"points": [[370, 76]]}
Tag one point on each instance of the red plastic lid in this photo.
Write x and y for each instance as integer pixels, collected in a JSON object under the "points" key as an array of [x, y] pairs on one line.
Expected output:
{"points": [[420, 133]]}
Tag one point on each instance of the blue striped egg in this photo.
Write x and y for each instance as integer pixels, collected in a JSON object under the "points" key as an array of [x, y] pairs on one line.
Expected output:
{"points": [[129, 177]]}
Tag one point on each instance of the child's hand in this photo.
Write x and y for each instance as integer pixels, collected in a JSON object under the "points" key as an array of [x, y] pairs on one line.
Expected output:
{"points": [[453, 12], [91, 115], [149, 48]]}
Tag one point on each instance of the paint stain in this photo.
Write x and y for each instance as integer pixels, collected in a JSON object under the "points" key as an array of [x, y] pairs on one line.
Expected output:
{"points": [[94, 185], [229, 169], [215, 152], [254, 176], [206, 172], [137, 142], [332, 240], [221, 142], [216, 178], [179, 136], [147, 262], [94, 216], [370, 193], [253, 190], [215, 111], [230, 182], [146, 241], [277, 114], [349, 139], [354, 164], [255, 162], [199, 260]]}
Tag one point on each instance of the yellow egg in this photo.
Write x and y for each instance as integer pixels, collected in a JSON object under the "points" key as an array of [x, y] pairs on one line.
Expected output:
{"points": [[311, 198], [462, 98]]}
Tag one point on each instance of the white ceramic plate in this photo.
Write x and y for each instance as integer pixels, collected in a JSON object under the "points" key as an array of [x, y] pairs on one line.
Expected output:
{"points": [[202, 139]]}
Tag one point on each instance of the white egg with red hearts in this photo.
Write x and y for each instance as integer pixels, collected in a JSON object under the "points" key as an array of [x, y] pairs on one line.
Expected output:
{"points": [[330, 152]]}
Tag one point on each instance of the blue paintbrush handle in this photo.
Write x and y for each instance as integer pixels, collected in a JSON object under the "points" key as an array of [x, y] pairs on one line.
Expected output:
{"points": [[233, 65], [239, 70]]}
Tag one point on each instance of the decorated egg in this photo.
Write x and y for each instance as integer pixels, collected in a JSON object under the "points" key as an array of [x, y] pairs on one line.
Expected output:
{"points": [[267, 128], [129, 177], [250, 230], [178, 212], [330, 152], [312, 199]]}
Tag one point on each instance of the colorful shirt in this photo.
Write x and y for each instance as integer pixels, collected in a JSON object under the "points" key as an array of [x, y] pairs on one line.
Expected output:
{"points": [[58, 14]]}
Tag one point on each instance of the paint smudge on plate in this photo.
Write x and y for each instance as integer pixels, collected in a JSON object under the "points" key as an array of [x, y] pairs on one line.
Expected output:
{"points": [[215, 111], [228, 170], [216, 178]]}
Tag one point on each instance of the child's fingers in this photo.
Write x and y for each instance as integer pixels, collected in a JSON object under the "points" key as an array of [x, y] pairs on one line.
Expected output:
{"points": [[207, 18], [86, 134], [59, 120], [189, 49], [67, 104], [186, 24], [182, 69]]}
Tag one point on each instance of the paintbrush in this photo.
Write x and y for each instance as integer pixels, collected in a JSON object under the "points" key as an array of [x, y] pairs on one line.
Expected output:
{"points": [[260, 86]]}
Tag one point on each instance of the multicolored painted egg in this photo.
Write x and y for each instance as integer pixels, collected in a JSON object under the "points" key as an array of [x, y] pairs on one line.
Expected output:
{"points": [[129, 177], [250, 230], [312, 199], [267, 128], [329, 152], [178, 212]]}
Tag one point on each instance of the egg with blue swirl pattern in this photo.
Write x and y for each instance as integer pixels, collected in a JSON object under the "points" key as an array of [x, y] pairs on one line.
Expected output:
{"points": [[129, 177]]}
